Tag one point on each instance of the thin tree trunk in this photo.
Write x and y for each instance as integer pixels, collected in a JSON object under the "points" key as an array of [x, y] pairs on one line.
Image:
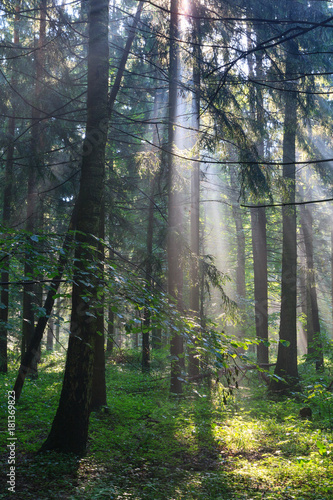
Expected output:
{"points": [[156, 341], [315, 351], [57, 325], [123, 61], [258, 215], [98, 398], [194, 364], [149, 245], [7, 207], [49, 338], [149, 267], [259, 246], [110, 339], [32, 197], [303, 293], [332, 275], [175, 273], [240, 265]]}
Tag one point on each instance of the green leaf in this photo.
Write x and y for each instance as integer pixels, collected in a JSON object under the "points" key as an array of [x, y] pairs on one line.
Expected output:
{"points": [[285, 343], [321, 448]]}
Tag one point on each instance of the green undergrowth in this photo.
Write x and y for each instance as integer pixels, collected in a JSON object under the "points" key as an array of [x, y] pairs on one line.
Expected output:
{"points": [[148, 445]]}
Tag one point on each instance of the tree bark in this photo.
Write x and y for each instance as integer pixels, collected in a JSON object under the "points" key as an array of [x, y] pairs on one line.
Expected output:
{"points": [[315, 351], [194, 365], [258, 215], [146, 313], [98, 398], [286, 366], [7, 208], [149, 244], [49, 338], [259, 246], [175, 273], [240, 264], [69, 430], [36, 154], [332, 275], [111, 337]]}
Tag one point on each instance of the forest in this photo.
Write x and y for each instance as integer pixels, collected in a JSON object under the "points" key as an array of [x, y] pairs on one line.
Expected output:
{"points": [[166, 249]]}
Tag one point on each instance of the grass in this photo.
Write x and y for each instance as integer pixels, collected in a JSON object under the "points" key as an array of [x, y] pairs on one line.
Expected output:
{"points": [[146, 445]]}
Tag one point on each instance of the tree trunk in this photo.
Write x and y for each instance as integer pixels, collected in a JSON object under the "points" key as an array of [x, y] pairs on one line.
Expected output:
{"points": [[7, 207], [259, 246], [193, 368], [111, 337], [57, 325], [36, 154], [149, 242], [49, 338], [156, 341], [286, 365], [175, 273], [98, 398], [315, 351], [258, 215], [69, 430], [332, 275], [146, 313], [240, 265]]}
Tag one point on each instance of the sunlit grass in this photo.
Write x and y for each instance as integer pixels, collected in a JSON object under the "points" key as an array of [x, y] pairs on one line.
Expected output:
{"points": [[146, 445]]}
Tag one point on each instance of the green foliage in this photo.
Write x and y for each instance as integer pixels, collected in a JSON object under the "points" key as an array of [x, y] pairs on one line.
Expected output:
{"points": [[145, 445]]}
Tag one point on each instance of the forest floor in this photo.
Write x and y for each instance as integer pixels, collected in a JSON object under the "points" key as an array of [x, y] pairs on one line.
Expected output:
{"points": [[146, 445]]}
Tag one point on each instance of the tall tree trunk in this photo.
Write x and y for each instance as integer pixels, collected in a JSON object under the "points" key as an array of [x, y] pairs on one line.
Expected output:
{"points": [[240, 264], [69, 430], [57, 322], [98, 398], [258, 215], [175, 273], [332, 276], [50, 333], [149, 240], [146, 313], [195, 188], [6, 215], [286, 365], [111, 337], [259, 246], [110, 341], [303, 294], [315, 351], [36, 154]]}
